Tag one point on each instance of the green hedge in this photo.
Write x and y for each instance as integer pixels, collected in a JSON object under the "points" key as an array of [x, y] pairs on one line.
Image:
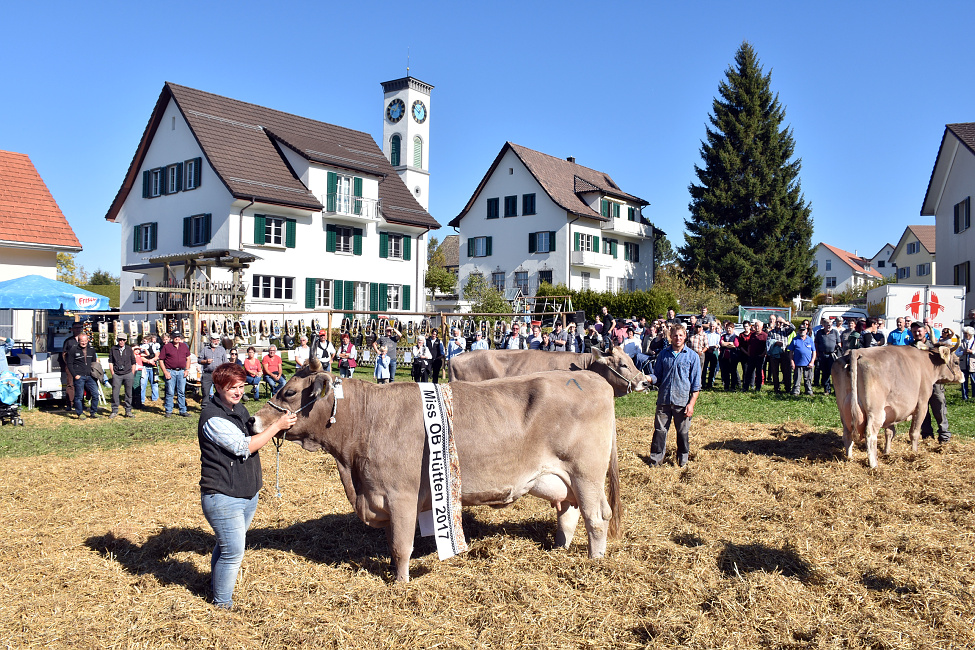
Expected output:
{"points": [[110, 291], [649, 303]]}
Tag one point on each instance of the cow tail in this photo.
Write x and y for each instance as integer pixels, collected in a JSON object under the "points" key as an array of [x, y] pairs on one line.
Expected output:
{"points": [[856, 414], [616, 523]]}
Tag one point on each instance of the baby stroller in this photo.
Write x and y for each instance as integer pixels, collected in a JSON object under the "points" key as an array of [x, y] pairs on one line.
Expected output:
{"points": [[10, 392]]}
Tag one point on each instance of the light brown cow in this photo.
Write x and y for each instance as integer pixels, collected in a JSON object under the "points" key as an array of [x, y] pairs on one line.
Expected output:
{"points": [[616, 367], [878, 387], [551, 435]]}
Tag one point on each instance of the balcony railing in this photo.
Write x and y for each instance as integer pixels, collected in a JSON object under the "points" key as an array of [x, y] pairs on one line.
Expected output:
{"points": [[625, 226], [591, 259], [354, 207]]}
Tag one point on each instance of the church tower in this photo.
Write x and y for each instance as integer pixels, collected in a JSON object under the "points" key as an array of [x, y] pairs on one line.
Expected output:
{"points": [[406, 133]]}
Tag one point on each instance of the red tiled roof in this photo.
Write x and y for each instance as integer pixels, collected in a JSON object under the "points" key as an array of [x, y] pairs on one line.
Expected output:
{"points": [[858, 264], [28, 212], [562, 180], [240, 141], [925, 235]]}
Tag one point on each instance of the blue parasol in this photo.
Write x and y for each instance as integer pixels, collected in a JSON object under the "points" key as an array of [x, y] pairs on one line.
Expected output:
{"points": [[38, 292]]}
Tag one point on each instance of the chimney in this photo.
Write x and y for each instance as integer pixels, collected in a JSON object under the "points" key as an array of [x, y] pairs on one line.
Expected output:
{"points": [[571, 159]]}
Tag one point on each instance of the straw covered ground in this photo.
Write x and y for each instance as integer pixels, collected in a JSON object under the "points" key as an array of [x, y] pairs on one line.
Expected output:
{"points": [[767, 539]]}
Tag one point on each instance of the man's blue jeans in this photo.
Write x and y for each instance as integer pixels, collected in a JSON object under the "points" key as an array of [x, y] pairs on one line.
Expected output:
{"points": [[149, 378], [80, 385], [230, 518], [275, 384], [177, 383]]}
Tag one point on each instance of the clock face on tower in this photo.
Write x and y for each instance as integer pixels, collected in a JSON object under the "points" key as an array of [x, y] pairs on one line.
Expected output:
{"points": [[396, 110], [419, 112]]}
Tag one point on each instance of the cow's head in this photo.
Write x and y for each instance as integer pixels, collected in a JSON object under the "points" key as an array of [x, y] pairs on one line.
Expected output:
{"points": [[946, 364], [618, 369], [309, 394]]}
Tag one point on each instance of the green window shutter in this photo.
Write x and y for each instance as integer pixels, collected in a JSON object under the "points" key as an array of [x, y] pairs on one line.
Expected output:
{"points": [[532, 245], [330, 236], [616, 210], [576, 242], [631, 213], [310, 293], [357, 241], [349, 295], [626, 252], [636, 253], [260, 235], [394, 145], [383, 245], [187, 230], [405, 301], [146, 182], [551, 241], [337, 294], [407, 248], [331, 188], [595, 244], [604, 207], [373, 296], [487, 247], [470, 247], [152, 236], [356, 192], [136, 238], [612, 248], [383, 296], [290, 232], [207, 225]]}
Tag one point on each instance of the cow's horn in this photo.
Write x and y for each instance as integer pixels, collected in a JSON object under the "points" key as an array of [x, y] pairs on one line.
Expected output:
{"points": [[315, 364]]}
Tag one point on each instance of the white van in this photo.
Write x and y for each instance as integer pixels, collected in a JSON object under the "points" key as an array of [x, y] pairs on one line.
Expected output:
{"points": [[844, 312]]}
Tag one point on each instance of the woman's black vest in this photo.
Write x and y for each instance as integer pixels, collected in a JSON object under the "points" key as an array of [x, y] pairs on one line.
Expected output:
{"points": [[223, 472]]}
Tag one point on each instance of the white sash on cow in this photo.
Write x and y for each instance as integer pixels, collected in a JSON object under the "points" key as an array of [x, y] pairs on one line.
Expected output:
{"points": [[443, 469]]}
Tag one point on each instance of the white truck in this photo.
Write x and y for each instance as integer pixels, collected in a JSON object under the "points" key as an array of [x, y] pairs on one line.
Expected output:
{"points": [[944, 304]]}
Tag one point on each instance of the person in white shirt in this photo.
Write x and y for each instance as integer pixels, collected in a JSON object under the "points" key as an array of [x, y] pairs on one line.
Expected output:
{"points": [[514, 340], [479, 342], [631, 344], [421, 360], [323, 350], [302, 353]]}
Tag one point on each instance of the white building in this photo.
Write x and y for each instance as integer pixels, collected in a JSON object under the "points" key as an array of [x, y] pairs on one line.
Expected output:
{"points": [[949, 200], [881, 261], [914, 256], [536, 218], [840, 269], [316, 213]]}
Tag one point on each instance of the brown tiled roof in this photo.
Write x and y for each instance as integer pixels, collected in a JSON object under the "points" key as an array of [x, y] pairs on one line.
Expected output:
{"points": [[240, 141], [965, 132], [925, 235], [858, 264], [451, 251], [28, 212], [562, 180]]}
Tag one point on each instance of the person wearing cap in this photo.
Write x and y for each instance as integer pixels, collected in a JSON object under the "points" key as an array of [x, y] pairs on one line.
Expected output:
{"points": [[67, 379], [121, 359], [210, 359], [573, 342], [323, 350], [174, 359], [479, 342], [302, 352], [81, 356], [390, 339]]}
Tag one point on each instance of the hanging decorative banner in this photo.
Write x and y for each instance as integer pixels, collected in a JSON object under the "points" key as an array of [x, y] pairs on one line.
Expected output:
{"points": [[444, 520], [133, 328], [145, 327], [243, 329], [160, 327], [186, 328], [103, 333]]}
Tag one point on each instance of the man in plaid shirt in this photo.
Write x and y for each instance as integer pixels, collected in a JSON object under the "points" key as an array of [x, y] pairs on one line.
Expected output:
{"points": [[699, 341]]}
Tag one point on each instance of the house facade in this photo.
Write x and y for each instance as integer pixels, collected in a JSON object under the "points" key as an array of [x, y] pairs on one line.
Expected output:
{"points": [[914, 255], [881, 261], [301, 213], [535, 218], [32, 228], [840, 269], [949, 200]]}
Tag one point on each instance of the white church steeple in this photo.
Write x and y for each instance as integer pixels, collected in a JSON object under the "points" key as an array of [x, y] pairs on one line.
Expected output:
{"points": [[406, 133]]}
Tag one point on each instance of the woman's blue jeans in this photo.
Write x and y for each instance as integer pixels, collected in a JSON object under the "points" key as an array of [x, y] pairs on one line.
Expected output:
{"points": [[230, 518]]}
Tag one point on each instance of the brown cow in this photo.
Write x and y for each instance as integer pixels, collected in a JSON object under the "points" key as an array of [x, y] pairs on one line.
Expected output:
{"points": [[615, 367], [878, 387], [515, 436]]}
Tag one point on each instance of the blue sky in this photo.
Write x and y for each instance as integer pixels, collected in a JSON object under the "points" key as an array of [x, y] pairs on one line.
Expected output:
{"points": [[626, 88]]}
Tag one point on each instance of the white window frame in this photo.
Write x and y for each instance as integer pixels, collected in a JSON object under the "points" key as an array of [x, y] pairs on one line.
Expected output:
{"points": [[343, 194], [585, 276], [277, 288], [480, 246], [541, 237], [140, 296], [360, 297], [829, 265], [156, 180], [198, 237], [189, 174], [587, 243], [274, 231], [323, 294], [394, 293], [394, 246], [344, 239], [172, 179], [521, 281]]}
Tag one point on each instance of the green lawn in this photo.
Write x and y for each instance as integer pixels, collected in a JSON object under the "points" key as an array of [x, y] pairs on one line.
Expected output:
{"points": [[49, 430]]}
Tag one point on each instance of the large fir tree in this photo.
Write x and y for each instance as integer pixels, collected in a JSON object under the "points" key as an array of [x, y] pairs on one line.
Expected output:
{"points": [[750, 226]]}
